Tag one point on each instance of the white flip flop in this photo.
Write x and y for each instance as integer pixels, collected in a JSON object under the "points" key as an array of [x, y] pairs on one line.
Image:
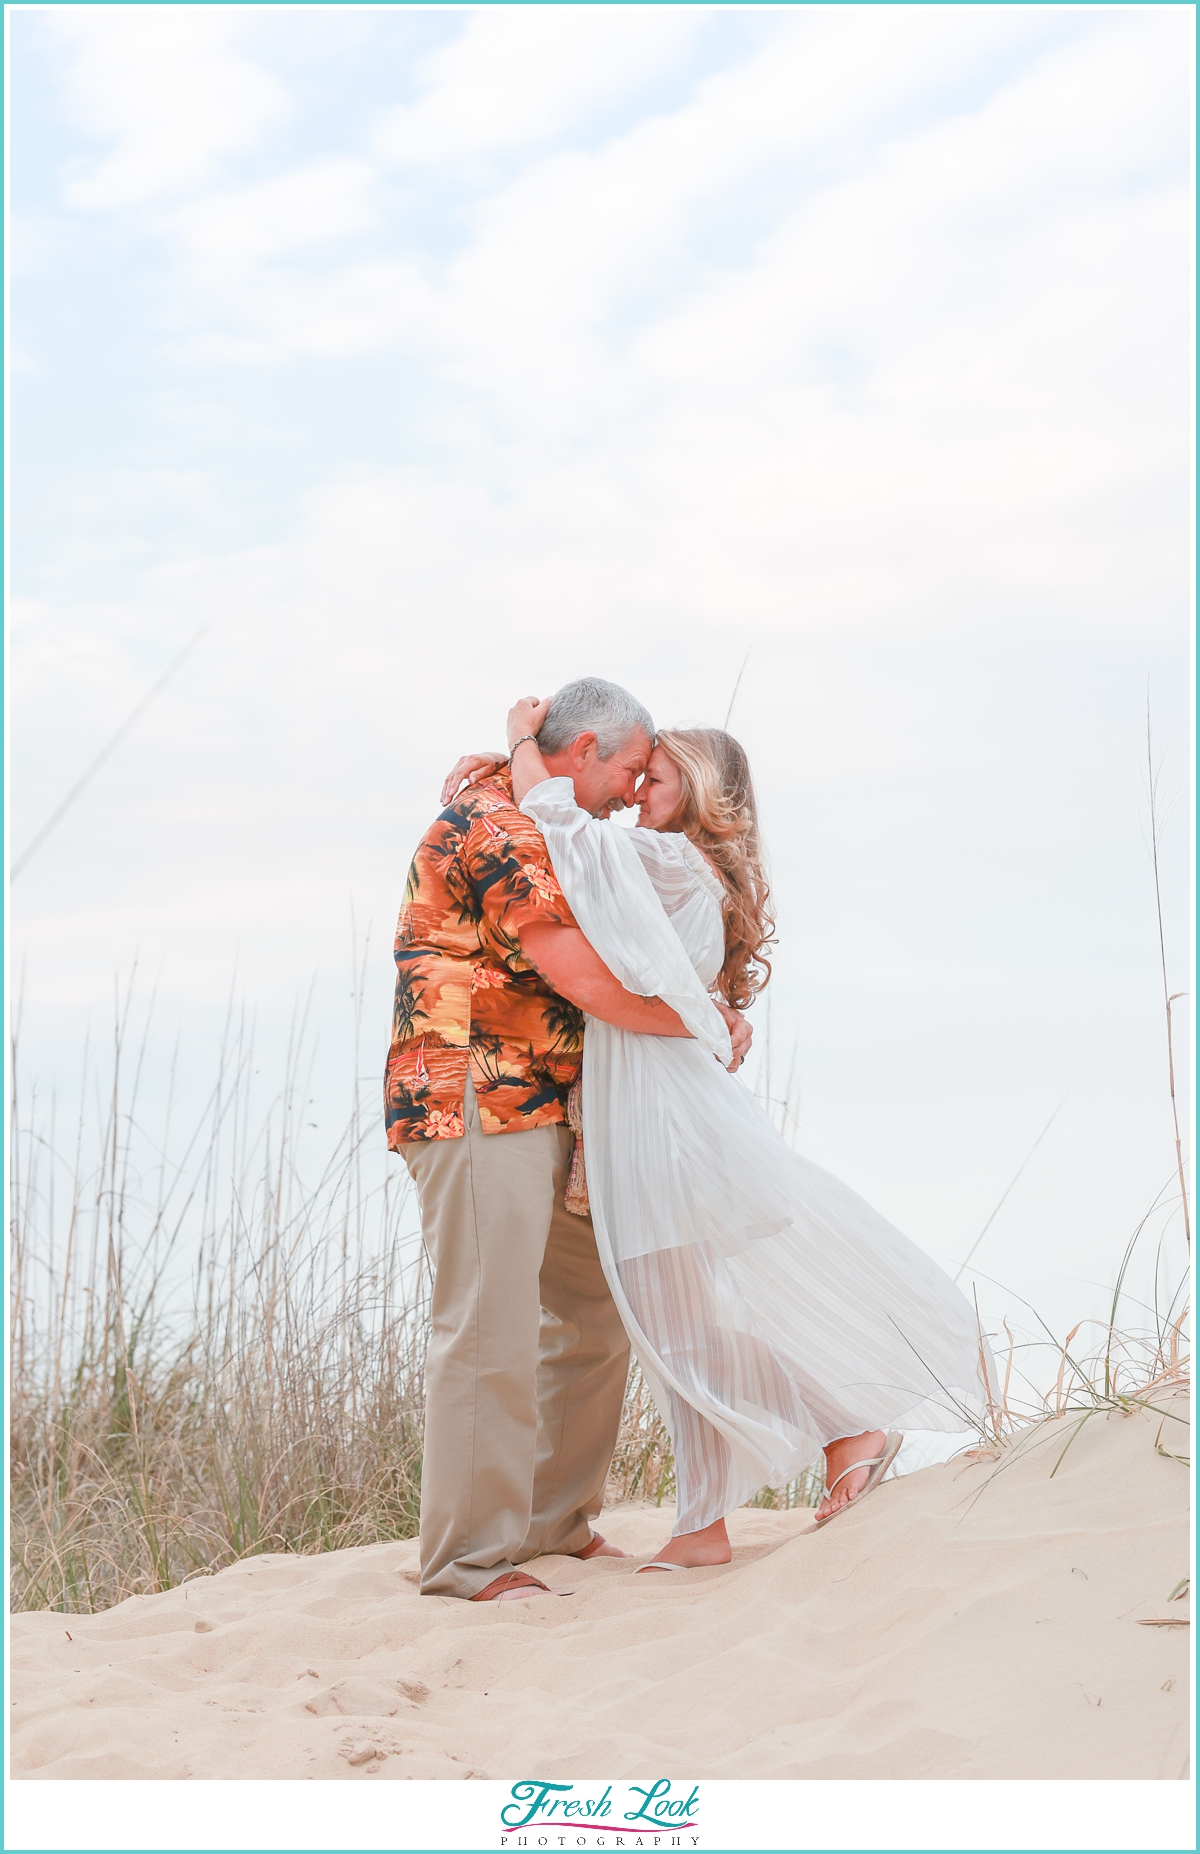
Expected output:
{"points": [[660, 1564], [878, 1464]]}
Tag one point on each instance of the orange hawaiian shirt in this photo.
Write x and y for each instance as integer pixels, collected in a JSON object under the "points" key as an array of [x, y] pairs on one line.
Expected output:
{"points": [[467, 1003]]}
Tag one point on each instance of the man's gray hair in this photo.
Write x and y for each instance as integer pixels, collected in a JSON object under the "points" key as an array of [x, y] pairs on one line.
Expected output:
{"points": [[592, 706]]}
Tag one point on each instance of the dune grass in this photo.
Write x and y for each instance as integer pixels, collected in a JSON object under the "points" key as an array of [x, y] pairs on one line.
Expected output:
{"points": [[216, 1343], [167, 1418], [1136, 1359]]}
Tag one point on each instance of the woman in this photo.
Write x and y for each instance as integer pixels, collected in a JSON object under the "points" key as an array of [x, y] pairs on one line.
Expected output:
{"points": [[774, 1314]]}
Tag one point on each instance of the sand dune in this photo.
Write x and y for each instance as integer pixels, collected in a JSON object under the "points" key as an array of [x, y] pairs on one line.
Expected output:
{"points": [[963, 1623]]}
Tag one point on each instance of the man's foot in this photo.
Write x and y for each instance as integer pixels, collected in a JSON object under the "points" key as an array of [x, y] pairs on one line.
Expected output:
{"points": [[597, 1547], [511, 1586], [838, 1457], [691, 1549]]}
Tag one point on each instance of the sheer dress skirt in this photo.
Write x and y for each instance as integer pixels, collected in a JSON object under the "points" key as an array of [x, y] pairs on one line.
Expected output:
{"points": [[770, 1307]]}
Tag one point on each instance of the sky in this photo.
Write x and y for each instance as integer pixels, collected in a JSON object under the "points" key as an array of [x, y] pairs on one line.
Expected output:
{"points": [[420, 359]]}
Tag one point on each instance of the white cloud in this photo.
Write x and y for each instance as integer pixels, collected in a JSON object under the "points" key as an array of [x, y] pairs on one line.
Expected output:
{"points": [[307, 205], [821, 140], [169, 91], [519, 76]]}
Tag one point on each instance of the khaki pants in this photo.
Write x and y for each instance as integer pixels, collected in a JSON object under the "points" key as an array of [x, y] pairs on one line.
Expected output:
{"points": [[527, 1360]]}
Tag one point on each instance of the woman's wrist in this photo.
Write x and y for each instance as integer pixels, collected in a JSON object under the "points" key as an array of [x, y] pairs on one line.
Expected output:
{"points": [[521, 741]]}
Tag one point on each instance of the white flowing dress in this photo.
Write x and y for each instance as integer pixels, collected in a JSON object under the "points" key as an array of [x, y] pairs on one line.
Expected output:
{"points": [[771, 1309]]}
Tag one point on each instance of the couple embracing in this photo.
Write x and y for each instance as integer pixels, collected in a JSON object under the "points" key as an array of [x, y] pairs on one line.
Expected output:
{"points": [[562, 1084]]}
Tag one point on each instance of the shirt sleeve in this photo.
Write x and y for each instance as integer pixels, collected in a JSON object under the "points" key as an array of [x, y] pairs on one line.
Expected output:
{"points": [[510, 872]]}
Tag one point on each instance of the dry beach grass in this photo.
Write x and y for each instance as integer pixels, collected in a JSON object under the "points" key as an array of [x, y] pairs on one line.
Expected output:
{"points": [[168, 1420], [285, 1414], [273, 1403]]}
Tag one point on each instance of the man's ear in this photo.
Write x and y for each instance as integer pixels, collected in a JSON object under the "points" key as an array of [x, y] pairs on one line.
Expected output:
{"points": [[584, 749]]}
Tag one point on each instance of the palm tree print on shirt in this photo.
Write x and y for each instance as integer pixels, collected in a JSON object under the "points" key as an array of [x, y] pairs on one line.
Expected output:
{"points": [[467, 1001]]}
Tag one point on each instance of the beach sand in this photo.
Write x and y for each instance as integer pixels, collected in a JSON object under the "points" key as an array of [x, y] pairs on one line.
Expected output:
{"points": [[978, 1619]]}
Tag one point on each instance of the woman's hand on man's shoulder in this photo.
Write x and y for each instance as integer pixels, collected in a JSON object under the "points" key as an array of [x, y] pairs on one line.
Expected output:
{"points": [[469, 770]]}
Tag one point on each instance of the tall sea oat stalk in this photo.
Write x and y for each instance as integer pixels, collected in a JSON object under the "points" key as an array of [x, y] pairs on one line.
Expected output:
{"points": [[1169, 997]]}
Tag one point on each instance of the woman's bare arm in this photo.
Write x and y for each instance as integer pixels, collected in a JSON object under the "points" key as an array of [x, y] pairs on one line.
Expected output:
{"points": [[528, 770], [577, 972], [528, 767]]}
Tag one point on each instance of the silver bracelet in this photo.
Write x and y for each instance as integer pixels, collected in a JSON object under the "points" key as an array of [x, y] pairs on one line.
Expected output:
{"points": [[521, 743]]}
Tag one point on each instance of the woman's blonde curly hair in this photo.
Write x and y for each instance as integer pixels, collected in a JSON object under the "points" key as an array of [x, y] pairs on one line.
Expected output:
{"points": [[719, 815]]}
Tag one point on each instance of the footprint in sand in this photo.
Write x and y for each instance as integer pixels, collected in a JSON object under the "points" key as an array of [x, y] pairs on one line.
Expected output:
{"points": [[362, 1754], [361, 1698]]}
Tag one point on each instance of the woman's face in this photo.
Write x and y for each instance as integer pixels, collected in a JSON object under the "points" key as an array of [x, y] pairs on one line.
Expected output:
{"points": [[660, 794]]}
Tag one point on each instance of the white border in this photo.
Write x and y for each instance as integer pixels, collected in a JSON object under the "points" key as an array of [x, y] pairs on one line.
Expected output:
{"points": [[920, 1815], [924, 1815]]}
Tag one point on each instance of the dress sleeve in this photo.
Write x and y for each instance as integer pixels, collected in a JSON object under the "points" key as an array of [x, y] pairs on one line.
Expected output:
{"points": [[614, 901], [675, 867]]}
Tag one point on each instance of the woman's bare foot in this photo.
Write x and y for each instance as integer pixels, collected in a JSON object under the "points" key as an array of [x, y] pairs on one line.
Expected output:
{"points": [[711, 1546], [838, 1457]]}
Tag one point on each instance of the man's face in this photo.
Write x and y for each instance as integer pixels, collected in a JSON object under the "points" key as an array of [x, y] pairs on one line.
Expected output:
{"points": [[603, 786]]}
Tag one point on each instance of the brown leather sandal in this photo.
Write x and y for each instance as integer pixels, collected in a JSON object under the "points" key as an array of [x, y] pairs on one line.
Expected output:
{"points": [[510, 1580], [591, 1548]]}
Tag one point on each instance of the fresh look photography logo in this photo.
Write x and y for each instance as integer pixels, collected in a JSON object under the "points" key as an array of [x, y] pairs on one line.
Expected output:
{"points": [[662, 1814]]}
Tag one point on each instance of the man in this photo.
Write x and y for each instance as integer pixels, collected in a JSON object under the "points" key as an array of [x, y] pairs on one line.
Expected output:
{"points": [[527, 1360]]}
